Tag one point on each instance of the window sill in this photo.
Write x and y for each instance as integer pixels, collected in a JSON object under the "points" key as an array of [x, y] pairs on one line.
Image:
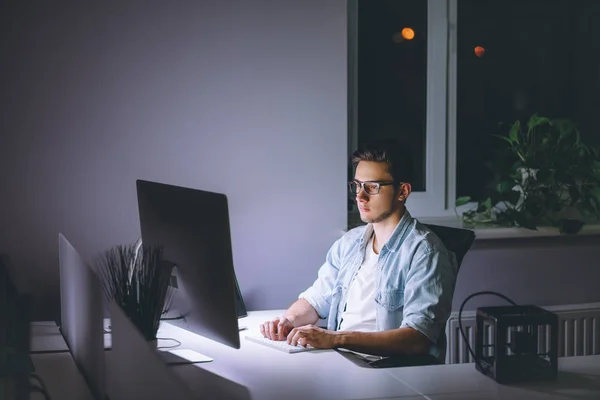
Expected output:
{"points": [[486, 233]]}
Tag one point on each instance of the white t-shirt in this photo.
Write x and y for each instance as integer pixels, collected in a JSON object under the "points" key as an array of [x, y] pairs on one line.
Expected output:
{"points": [[359, 313]]}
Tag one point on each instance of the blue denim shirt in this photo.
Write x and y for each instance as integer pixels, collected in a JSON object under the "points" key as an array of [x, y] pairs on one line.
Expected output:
{"points": [[415, 281]]}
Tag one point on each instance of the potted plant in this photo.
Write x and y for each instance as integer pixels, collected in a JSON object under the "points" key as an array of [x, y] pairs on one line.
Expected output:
{"points": [[545, 175], [137, 277]]}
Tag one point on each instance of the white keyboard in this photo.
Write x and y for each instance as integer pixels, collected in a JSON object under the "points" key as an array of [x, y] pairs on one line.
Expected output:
{"points": [[278, 344]]}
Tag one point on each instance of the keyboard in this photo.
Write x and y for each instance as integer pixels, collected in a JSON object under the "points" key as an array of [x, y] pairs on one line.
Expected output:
{"points": [[277, 344]]}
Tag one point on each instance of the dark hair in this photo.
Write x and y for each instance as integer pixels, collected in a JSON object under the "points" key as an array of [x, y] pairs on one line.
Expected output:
{"points": [[390, 151]]}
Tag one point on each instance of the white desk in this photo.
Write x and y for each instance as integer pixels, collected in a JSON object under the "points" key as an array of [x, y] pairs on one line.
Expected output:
{"points": [[271, 374], [55, 365], [578, 378], [61, 377], [46, 338]]}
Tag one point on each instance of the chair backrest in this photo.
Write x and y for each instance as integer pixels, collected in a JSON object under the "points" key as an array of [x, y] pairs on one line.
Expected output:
{"points": [[456, 240], [459, 242]]}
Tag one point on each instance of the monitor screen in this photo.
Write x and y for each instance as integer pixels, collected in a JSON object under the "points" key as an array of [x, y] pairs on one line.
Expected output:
{"points": [[192, 227]]}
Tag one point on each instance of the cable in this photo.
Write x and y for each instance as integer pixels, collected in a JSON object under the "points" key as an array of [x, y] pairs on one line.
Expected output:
{"points": [[42, 388], [168, 347], [460, 328]]}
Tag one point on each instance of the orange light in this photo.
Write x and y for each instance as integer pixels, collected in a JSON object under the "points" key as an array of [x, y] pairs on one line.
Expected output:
{"points": [[408, 33], [479, 51]]}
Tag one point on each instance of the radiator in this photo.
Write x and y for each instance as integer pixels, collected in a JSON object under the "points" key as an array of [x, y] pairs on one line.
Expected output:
{"points": [[578, 332]]}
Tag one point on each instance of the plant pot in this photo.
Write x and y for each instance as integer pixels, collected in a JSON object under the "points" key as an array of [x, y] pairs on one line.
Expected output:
{"points": [[568, 226]]}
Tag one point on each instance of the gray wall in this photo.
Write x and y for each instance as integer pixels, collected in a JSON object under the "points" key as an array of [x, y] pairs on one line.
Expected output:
{"points": [[247, 98], [543, 271]]}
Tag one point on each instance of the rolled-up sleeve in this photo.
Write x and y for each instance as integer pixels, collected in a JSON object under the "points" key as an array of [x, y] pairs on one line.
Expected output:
{"points": [[319, 294], [428, 293]]}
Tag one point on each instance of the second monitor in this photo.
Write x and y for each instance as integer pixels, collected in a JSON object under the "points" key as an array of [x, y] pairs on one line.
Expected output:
{"points": [[192, 227]]}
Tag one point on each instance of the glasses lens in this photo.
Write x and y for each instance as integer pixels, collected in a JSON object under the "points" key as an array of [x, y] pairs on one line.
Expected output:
{"points": [[353, 186], [371, 188]]}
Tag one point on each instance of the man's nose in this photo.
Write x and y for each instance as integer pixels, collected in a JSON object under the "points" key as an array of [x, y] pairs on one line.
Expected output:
{"points": [[361, 195]]}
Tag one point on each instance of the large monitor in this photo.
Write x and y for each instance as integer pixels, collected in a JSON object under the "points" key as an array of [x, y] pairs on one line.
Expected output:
{"points": [[192, 227], [82, 315]]}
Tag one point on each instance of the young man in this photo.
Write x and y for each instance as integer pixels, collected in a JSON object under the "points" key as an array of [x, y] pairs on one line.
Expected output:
{"points": [[386, 287]]}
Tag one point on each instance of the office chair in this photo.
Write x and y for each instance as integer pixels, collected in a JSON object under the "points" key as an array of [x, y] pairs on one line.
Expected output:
{"points": [[456, 240]]}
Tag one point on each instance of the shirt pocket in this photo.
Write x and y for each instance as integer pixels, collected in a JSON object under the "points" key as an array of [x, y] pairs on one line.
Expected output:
{"points": [[390, 300]]}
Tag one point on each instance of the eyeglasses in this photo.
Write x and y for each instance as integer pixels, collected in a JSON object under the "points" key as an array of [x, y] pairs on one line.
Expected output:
{"points": [[370, 187]]}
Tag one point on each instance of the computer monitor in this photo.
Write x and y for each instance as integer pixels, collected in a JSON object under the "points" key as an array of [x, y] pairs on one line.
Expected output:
{"points": [[192, 227], [82, 315], [15, 364]]}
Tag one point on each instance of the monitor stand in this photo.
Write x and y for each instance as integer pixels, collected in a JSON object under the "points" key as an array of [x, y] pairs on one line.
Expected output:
{"points": [[182, 356], [169, 356]]}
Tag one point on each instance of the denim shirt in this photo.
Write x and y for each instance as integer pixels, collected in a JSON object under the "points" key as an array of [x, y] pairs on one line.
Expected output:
{"points": [[416, 276]]}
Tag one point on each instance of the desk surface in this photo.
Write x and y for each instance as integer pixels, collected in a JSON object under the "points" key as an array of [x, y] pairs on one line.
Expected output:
{"points": [[46, 338], [61, 377], [271, 374], [55, 365]]}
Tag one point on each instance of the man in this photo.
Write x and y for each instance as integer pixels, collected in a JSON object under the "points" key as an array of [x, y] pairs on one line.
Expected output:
{"points": [[386, 287]]}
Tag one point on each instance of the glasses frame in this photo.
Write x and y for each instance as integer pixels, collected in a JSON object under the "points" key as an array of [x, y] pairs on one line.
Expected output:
{"points": [[361, 186]]}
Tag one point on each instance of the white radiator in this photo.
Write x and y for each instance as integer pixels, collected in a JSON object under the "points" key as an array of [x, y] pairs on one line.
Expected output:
{"points": [[578, 332]]}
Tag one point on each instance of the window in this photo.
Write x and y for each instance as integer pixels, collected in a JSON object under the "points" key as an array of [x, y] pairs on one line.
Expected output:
{"points": [[397, 87], [514, 59], [392, 75], [535, 56]]}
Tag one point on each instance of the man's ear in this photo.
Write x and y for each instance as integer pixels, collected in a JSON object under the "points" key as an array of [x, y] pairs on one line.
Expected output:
{"points": [[404, 191]]}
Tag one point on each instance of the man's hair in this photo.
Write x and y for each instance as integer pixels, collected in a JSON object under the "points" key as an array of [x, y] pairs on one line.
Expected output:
{"points": [[390, 151]]}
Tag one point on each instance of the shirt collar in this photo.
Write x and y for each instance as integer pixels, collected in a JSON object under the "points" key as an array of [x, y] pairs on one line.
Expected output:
{"points": [[398, 235]]}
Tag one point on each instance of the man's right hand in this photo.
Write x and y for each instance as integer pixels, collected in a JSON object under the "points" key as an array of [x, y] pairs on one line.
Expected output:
{"points": [[277, 329]]}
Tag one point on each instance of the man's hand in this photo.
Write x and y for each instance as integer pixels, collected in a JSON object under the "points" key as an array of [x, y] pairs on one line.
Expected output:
{"points": [[277, 329], [313, 336]]}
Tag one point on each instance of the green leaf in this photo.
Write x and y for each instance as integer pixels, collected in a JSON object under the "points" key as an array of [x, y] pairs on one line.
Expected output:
{"points": [[574, 194], [513, 197], [536, 121], [514, 133], [507, 139], [505, 186], [485, 205], [461, 201]]}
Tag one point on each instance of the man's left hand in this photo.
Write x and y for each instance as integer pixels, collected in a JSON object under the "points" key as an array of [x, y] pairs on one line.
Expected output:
{"points": [[313, 336]]}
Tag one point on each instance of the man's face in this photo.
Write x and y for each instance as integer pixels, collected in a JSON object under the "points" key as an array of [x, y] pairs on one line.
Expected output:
{"points": [[375, 208]]}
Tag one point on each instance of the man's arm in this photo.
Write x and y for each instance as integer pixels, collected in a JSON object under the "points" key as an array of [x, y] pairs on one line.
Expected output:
{"points": [[301, 313], [318, 295], [427, 302], [385, 343], [312, 304]]}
